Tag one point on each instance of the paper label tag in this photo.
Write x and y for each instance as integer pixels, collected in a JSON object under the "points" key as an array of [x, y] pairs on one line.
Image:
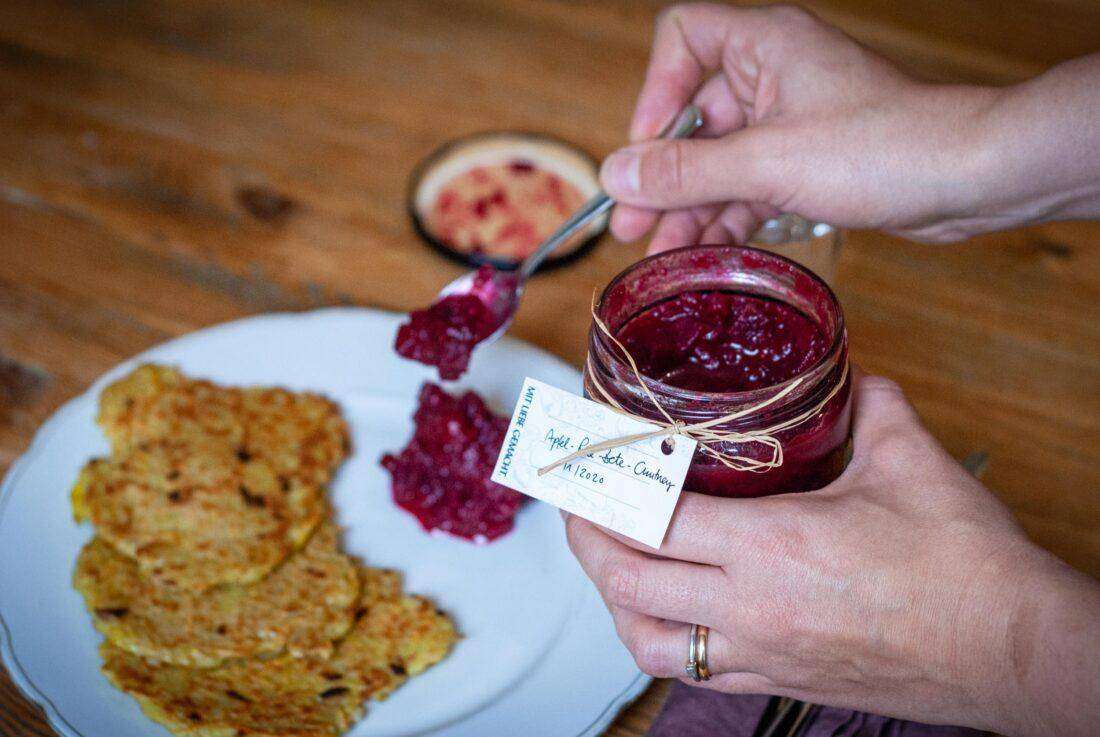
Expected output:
{"points": [[631, 489]]}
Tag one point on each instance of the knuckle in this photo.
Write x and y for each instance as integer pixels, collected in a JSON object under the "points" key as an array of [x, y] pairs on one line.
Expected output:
{"points": [[574, 534], [644, 647], [784, 529], [792, 15], [783, 545], [628, 633], [662, 169], [779, 514], [789, 26], [883, 384], [892, 407], [648, 656], [674, 13], [738, 221], [667, 13], [621, 582]]}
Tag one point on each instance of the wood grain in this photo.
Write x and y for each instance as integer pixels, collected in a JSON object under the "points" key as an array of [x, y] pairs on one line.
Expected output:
{"points": [[170, 165]]}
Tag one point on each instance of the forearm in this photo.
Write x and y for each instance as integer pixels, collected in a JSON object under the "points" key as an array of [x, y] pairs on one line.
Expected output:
{"points": [[1042, 160], [1054, 654]]}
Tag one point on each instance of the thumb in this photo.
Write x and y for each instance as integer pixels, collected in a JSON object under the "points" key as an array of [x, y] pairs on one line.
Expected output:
{"points": [[885, 427], [665, 175]]}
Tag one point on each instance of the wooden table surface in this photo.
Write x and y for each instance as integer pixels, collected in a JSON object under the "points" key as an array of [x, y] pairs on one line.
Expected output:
{"points": [[170, 165]]}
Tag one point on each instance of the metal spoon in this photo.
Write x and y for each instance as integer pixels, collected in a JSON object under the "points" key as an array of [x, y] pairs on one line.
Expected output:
{"points": [[503, 293]]}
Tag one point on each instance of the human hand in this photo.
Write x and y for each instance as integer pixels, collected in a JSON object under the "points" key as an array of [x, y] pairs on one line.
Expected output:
{"points": [[800, 118], [904, 588]]}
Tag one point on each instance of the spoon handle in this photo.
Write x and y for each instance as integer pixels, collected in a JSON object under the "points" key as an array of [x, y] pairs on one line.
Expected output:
{"points": [[596, 206], [687, 122]]}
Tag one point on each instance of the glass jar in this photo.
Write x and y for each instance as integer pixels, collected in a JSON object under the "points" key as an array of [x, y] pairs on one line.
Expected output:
{"points": [[813, 244], [814, 451]]}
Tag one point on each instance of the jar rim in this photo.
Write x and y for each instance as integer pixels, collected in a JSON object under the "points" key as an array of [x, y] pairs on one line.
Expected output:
{"points": [[744, 396]]}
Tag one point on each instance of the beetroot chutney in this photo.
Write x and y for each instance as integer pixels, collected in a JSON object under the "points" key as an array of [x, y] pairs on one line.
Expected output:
{"points": [[442, 475], [718, 329], [722, 341], [446, 333]]}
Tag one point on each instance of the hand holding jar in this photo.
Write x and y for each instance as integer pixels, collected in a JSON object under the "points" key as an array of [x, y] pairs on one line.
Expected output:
{"points": [[903, 588], [897, 584]]}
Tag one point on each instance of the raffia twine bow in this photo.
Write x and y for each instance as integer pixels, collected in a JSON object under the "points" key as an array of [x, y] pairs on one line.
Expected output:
{"points": [[703, 433]]}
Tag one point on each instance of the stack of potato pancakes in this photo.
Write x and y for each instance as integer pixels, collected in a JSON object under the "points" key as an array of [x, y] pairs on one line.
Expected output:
{"points": [[216, 575]]}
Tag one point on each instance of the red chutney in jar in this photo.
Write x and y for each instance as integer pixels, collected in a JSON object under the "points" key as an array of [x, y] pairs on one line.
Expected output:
{"points": [[717, 329], [502, 211], [722, 341]]}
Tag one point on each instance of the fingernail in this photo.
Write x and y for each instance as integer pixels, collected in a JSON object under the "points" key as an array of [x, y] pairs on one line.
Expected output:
{"points": [[621, 173]]}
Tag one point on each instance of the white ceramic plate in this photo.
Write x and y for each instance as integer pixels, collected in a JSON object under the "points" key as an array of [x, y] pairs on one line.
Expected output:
{"points": [[539, 654]]}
